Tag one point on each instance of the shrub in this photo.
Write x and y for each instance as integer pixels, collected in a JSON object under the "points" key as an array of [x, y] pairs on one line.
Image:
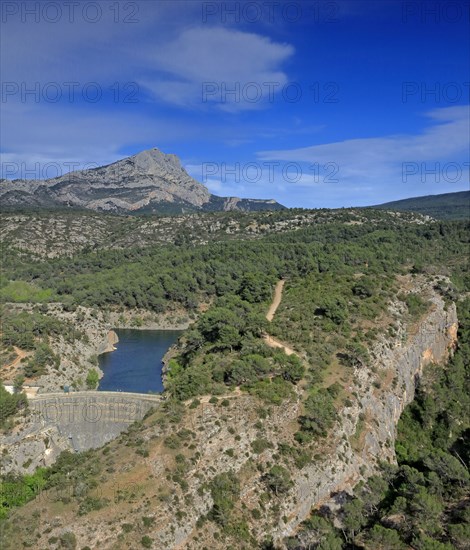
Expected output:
{"points": [[148, 521], [146, 541], [90, 504], [320, 413], [68, 540], [278, 479], [260, 445], [10, 404], [92, 379], [415, 304], [172, 441], [225, 490]]}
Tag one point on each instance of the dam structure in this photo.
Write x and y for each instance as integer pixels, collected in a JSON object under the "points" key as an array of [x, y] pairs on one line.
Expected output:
{"points": [[89, 419]]}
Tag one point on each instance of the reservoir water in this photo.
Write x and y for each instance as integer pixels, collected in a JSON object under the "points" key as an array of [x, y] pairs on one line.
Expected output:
{"points": [[136, 364]]}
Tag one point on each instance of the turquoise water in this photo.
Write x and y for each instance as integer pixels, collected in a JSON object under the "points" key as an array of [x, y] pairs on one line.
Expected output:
{"points": [[136, 364]]}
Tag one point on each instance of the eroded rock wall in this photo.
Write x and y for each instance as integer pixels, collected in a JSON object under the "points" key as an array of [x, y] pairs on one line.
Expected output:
{"points": [[354, 456]]}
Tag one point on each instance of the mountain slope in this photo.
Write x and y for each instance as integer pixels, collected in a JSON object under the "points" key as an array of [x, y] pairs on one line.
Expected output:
{"points": [[448, 206], [149, 182]]}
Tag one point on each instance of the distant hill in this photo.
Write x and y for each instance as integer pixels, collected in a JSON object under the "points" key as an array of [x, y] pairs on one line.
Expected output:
{"points": [[448, 206], [149, 182]]}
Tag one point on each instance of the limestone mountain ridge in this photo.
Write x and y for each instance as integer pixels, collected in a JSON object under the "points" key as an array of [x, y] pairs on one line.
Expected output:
{"points": [[148, 182]]}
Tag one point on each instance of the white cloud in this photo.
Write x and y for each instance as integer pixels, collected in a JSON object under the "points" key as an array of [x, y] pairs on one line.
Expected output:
{"points": [[396, 161], [73, 48], [233, 69]]}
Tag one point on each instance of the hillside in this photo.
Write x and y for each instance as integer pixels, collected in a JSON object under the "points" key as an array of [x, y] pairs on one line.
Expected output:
{"points": [[249, 439], [149, 182], [448, 206], [55, 233]]}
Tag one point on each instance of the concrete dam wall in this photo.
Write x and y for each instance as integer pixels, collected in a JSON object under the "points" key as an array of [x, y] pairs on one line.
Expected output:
{"points": [[91, 419], [76, 422]]}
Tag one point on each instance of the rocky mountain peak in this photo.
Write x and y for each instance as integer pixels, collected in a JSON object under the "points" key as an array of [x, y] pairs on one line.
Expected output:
{"points": [[150, 181], [152, 161]]}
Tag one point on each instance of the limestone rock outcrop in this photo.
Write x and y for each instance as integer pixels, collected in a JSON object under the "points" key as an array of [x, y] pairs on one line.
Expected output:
{"points": [[109, 343]]}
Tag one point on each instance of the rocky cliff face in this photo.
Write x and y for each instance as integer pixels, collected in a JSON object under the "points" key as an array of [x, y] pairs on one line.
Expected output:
{"points": [[109, 344], [30, 445], [367, 430], [150, 181]]}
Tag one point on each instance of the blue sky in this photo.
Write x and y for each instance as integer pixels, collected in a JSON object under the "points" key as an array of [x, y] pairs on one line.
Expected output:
{"points": [[314, 104]]}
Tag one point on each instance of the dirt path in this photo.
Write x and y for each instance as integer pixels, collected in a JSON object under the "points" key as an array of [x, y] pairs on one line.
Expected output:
{"points": [[270, 340], [275, 343], [276, 300]]}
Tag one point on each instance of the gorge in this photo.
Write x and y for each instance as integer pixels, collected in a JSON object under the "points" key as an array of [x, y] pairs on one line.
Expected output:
{"points": [[299, 349]]}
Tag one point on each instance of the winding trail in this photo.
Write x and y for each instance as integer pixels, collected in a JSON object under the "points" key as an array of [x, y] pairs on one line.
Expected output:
{"points": [[270, 340], [276, 300]]}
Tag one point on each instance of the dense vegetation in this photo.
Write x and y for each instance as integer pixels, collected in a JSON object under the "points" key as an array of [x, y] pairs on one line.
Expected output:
{"points": [[424, 502], [153, 276], [224, 349], [339, 282], [69, 471]]}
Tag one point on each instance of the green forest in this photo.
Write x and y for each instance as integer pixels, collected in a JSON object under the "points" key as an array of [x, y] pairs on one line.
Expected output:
{"points": [[340, 275], [185, 274]]}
